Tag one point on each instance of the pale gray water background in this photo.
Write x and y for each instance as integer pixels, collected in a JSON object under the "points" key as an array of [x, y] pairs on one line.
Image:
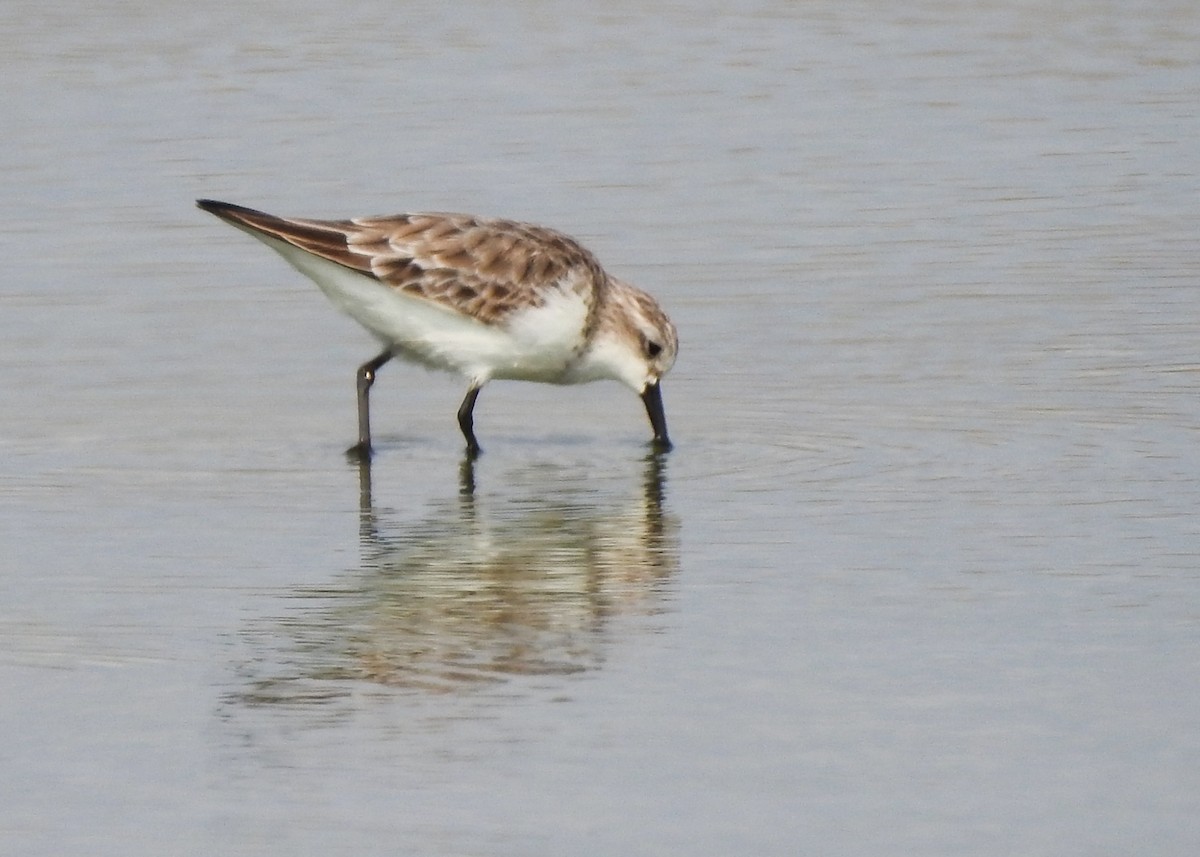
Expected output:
{"points": [[920, 578]]}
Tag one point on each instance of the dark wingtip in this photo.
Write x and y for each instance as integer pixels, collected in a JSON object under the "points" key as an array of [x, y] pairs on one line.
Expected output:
{"points": [[247, 218], [225, 210]]}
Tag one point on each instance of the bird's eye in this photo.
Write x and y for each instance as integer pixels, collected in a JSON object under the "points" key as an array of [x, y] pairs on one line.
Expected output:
{"points": [[653, 349]]}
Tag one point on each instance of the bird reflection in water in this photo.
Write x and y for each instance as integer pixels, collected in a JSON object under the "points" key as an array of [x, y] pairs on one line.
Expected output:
{"points": [[520, 581]]}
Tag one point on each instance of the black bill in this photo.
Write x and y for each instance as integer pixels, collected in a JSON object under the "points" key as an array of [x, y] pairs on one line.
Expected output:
{"points": [[652, 396]]}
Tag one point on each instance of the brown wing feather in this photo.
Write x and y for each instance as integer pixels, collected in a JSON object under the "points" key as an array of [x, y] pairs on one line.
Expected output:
{"points": [[485, 268], [481, 267], [324, 238]]}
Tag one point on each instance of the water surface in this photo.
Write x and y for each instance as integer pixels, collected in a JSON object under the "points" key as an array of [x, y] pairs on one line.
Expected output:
{"points": [[920, 577]]}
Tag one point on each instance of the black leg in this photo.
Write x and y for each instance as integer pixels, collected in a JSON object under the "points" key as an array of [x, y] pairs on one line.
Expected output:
{"points": [[466, 420], [366, 377], [652, 397]]}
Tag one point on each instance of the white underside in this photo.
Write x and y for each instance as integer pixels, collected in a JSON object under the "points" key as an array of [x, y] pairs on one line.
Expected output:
{"points": [[538, 344]]}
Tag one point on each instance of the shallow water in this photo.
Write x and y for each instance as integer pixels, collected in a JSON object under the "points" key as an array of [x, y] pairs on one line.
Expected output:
{"points": [[920, 577]]}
